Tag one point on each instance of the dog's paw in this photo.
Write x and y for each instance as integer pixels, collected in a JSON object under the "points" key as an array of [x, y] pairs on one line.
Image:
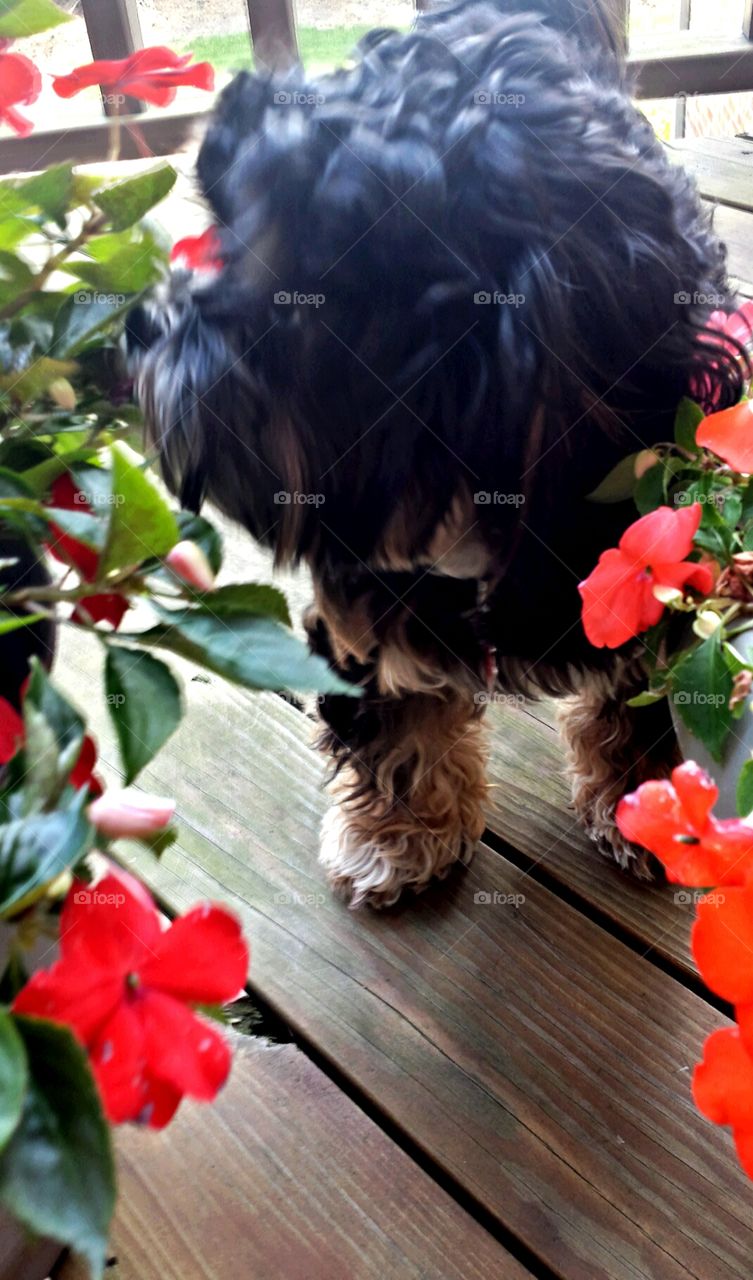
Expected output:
{"points": [[374, 871], [637, 862]]}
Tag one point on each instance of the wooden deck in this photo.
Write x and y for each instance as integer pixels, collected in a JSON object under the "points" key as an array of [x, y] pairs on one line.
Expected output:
{"points": [[469, 1089]]}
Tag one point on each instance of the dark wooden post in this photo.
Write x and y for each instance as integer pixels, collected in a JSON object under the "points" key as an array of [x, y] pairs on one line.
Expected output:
{"points": [[114, 32], [273, 33]]}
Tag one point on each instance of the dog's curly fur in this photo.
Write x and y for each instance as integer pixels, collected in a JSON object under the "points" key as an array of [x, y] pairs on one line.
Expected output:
{"points": [[488, 151]]}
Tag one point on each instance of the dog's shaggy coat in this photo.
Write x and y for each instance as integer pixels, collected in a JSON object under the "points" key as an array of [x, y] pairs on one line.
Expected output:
{"points": [[461, 282]]}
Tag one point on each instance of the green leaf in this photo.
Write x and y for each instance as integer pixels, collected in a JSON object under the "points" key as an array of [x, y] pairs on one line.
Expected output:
{"points": [[127, 202], [702, 686], [618, 484], [254, 599], [687, 421], [20, 18], [54, 736], [645, 699], [255, 652], [81, 525], [744, 793], [56, 1173], [15, 276], [50, 192], [122, 263], [84, 317], [649, 490], [13, 1077], [145, 705], [142, 523], [30, 383], [9, 622], [36, 849]]}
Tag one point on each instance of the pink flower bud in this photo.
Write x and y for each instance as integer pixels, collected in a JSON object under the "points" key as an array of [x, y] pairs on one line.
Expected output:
{"points": [[130, 814], [189, 563]]}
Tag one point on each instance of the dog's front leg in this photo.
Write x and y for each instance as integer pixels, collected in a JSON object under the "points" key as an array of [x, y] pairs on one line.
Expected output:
{"points": [[408, 780], [611, 749]]}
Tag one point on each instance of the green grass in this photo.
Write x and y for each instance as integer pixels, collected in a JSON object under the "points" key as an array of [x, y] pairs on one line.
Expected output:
{"points": [[320, 49]]}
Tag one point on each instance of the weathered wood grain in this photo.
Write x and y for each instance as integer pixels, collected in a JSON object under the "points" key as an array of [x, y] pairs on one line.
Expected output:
{"points": [[531, 810], [531, 1055], [284, 1178], [722, 167]]}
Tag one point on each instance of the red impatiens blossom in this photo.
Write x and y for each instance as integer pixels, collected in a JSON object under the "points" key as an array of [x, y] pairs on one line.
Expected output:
{"points": [[737, 325], [13, 733], [101, 607], [125, 986], [620, 596], [20, 85], [723, 1089], [729, 434], [722, 943], [673, 820], [152, 75], [189, 563], [198, 253]]}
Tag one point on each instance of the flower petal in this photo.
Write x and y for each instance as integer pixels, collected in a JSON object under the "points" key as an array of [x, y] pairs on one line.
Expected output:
{"points": [[20, 80], [182, 1050], [118, 1061], [112, 924], [723, 1081], [697, 792], [664, 536], [614, 601], [130, 814], [729, 434], [11, 731], [82, 998], [202, 958], [722, 944]]}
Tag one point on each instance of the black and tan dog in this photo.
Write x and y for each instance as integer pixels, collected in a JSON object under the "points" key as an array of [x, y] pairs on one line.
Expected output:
{"points": [[460, 282]]}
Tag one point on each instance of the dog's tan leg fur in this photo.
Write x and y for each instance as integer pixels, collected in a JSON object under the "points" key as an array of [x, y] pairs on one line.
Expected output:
{"points": [[411, 805], [611, 749]]}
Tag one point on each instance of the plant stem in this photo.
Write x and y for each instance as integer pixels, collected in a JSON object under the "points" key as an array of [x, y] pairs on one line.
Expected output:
{"points": [[90, 228]]}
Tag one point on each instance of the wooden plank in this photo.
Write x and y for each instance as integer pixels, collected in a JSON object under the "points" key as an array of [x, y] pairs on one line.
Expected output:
{"points": [[735, 229], [536, 1059], [531, 811], [273, 33], [87, 144], [722, 168], [684, 64], [288, 1178], [114, 31]]}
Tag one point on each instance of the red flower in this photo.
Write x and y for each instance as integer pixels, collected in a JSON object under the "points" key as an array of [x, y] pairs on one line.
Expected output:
{"points": [[729, 434], [674, 821], [153, 75], [125, 988], [12, 736], [20, 83], [104, 607], [11, 731], [619, 597], [722, 945], [198, 253], [723, 1089]]}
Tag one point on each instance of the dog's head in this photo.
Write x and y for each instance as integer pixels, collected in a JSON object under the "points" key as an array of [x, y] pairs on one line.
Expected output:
{"points": [[448, 270]]}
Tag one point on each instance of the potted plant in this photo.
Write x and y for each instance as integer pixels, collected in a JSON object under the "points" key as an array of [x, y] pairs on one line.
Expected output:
{"points": [[94, 988]]}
